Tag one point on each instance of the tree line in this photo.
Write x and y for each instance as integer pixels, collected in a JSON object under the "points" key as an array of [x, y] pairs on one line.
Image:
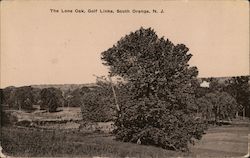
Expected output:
{"points": [[23, 98]]}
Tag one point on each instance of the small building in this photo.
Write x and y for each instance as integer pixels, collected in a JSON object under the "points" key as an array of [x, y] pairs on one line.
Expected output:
{"points": [[205, 84]]}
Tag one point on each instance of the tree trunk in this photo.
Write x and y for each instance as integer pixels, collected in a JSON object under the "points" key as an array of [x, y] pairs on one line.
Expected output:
{"points": [[244, 113]]}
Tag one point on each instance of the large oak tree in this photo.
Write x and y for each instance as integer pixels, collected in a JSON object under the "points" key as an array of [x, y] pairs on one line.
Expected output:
{"points": [[156, 99]]}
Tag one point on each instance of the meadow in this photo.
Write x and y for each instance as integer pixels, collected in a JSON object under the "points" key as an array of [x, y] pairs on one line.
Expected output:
{"points": [[219, 141]]}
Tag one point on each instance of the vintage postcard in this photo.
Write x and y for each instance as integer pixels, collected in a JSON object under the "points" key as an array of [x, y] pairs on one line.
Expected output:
{"points": [[124, 78]]}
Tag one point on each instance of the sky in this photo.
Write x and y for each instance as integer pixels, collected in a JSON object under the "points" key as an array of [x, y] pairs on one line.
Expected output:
{"points": [[41, 47]]}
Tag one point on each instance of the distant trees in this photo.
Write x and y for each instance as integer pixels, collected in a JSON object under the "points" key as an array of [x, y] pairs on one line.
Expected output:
{"points": [[36, 96], [217, 106], [239, 88], [157, 101], [215, 85], [218, 101], [8, 97], [25, 97], [74, 97], [22, 98], [51, 99]]}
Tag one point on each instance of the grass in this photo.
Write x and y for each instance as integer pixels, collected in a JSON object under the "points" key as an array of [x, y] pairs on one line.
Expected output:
{"points": [[28, 143], [224, 141]]}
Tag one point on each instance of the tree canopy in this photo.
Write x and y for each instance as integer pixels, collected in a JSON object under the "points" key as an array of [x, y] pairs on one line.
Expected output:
{"points": [[157, 97]]}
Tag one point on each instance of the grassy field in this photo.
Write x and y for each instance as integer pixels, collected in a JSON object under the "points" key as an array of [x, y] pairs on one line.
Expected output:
{"points": [[67, 140], [65, 118], [224, 141], [26, 143], [71, 113]]}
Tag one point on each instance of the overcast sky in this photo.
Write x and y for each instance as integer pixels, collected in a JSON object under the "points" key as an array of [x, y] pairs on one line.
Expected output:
{"points": [[40, 47]]}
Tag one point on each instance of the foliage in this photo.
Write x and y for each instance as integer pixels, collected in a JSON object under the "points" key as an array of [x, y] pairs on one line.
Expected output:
{"points": [[24, 97], [216, 85], [36, 96], [98, 103], [157, 98], [217, 101], [21, 97], [239, 87], [7, 118], [74, 97], [217, 106], [8, 96], [50, 98], [199, 90]]}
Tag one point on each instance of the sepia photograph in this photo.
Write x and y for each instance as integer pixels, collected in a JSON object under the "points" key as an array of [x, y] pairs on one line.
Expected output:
{"points": [[134, 79]]}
